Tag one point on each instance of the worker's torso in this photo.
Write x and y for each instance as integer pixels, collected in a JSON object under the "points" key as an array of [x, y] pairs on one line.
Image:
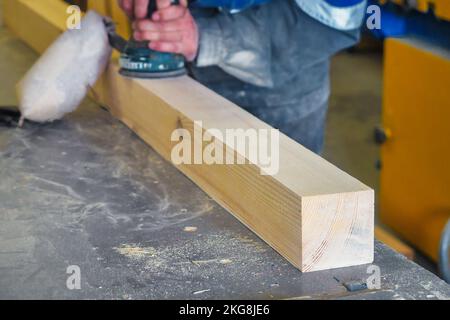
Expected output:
{"points": [[300, 48]]}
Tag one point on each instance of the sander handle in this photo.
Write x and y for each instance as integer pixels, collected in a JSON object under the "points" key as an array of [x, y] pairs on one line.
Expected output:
{"points": [[115, 40]]}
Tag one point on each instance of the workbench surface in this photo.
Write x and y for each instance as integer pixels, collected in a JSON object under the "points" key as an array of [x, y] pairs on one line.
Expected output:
{"points": [[87, 192]]}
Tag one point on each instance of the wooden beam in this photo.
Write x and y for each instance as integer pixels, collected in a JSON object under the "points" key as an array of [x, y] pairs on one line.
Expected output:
{"points": [[315, 215], [37, 23], [101, 6], [81, 3], [111, 8]]}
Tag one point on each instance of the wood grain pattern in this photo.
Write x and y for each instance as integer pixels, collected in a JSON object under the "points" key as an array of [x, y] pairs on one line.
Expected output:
{"points": [[315, 215]]}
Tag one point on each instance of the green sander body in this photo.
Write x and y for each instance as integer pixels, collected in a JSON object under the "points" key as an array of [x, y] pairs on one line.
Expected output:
{"points": [[137, 60]]}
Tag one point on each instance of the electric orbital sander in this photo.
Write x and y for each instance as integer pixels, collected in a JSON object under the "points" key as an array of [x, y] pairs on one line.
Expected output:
{"points": [[137, 60]]}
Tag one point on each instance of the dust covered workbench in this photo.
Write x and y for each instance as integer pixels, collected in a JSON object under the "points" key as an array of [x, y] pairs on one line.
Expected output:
{"points": [[87, 192]]}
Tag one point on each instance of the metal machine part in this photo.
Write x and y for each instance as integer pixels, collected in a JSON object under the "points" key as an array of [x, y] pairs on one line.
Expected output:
{"points": [[444, 263], [414, 200], [415, 178]]}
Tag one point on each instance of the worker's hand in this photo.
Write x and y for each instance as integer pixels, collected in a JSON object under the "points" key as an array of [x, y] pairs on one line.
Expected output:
{"points": [[135, 9], [172, 29]]}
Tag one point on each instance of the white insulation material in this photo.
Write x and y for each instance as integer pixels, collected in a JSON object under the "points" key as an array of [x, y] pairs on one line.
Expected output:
{"points": [[61, 78]]}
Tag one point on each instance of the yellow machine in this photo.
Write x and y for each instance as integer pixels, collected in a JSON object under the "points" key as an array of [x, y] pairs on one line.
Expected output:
{"points": [[415, 156], [441, 8]]}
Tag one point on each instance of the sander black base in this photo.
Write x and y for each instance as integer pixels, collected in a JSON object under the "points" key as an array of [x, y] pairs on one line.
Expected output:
{"points": [[152, 75], [137, 60]]}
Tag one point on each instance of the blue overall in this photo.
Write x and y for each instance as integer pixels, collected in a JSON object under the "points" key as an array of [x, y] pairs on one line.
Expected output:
{"points": [[272, 57]]}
